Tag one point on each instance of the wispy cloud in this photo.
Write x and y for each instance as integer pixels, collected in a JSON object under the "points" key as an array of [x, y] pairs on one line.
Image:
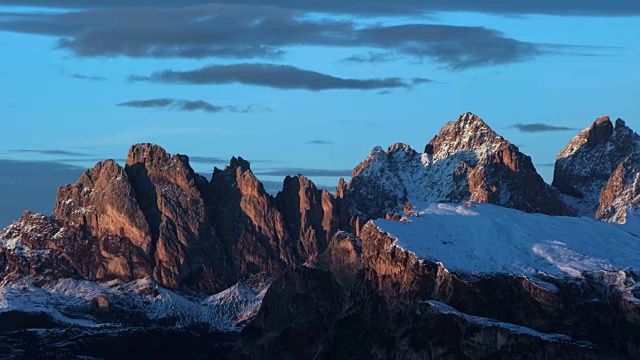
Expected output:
{"points": [[53, 152], [320, 142], [83, 77], [304, 171], [537, 127], [192, 105], [372, 58], [546, 165], [275, 76]]}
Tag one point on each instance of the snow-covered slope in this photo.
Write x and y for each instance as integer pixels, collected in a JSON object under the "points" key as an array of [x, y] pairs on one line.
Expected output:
{"points": [[140, 301], [490, 239]]}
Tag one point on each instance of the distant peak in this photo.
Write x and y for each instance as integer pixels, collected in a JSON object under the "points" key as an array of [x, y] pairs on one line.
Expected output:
{"points": [[239, 162], [620, 124]]}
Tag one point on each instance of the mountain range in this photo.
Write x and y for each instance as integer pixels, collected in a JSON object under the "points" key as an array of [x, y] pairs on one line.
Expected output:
{"points": [[457, 251]]}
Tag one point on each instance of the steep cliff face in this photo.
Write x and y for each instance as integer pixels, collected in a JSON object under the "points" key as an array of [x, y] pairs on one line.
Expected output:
{"points": [[247, 218], [38, 245], [172, 197], [311, 215], [584, 166], [466, 161], [620, 197]]}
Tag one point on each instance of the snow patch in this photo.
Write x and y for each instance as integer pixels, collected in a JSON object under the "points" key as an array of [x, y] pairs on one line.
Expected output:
{"points": [[70, 301]]}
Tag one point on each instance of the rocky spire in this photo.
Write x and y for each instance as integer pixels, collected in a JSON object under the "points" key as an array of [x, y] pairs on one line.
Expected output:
{"points": [[584, 165], [246, 216], [310, 214]]}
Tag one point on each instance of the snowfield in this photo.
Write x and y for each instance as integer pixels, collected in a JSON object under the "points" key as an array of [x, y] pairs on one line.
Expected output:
{"points": [[70, 301], [489, 239]]}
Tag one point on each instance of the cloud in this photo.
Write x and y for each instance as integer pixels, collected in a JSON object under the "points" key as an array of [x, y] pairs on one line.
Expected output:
{"points": [[272, 75], [372, 58], [383, 7], [89, 160], [546, 165], [320, 142], [84, 77], [49, 152], [253, 31], [31, 185], [535, 128], [303, 171], [208, 160], [189, 105]]}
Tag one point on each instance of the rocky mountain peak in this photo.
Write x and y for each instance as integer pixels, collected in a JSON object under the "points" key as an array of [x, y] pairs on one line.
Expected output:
{"points": [[584, 166], [466, 161], [469, 133]]}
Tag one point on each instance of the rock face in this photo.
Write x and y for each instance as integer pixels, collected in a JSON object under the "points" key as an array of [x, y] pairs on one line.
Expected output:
{"points": [[245, 215], [620, 197], [466, 161], [584, 166], [311, 214], [158, 218], [172, 197]]}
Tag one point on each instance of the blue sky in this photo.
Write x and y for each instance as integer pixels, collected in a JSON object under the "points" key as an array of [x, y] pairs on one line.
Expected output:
{"points": [[64, 75]]}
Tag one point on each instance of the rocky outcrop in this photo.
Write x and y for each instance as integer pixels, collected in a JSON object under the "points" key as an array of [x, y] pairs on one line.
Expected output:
{"points": [[38, 245], [311, 215], [584, 166], [620, 197], [466, 161], [104, 203]]}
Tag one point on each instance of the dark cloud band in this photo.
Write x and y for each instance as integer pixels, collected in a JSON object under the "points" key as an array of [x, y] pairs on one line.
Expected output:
{"points": [[383, 7], [320, 142], [275, 76], [303, 171], [191, 105], [535, 128], [243, 32], [55, 152]]}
